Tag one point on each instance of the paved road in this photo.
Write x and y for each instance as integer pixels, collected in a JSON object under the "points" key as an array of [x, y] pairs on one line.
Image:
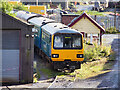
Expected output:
{"points": [[112, 79]]}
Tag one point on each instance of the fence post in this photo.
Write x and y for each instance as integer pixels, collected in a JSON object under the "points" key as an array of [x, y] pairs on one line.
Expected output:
{"points": [[115, 17]]}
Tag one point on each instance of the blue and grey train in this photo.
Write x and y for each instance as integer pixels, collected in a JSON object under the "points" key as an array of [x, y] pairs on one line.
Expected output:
{"points": [[58, 43]]}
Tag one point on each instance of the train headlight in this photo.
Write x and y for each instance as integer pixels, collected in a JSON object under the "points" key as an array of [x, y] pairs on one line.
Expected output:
{"points": [[55, 55], [79, 55]]}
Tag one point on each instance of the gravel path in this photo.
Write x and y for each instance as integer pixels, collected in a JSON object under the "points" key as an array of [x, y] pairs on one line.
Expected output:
{"points": [[109, 80]]}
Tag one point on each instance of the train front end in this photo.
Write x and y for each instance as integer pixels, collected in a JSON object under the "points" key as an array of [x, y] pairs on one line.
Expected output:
{"points": [[67, 50]]}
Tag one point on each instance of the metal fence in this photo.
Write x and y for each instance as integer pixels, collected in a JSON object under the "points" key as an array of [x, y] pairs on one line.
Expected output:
{"points": [[108, 21]]}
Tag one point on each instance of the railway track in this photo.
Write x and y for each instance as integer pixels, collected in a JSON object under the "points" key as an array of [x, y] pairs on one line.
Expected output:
{"points": [[63, 81]]}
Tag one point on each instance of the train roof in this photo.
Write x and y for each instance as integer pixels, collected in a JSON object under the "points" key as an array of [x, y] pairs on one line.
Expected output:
{"points": [[53, 28], [40, 21], [35, 19]]}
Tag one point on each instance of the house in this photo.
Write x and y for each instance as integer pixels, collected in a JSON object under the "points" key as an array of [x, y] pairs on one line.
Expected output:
{"points": [[17, 50], [91, 30]]}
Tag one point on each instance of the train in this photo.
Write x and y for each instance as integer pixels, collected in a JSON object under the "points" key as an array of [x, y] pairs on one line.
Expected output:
{"points": [[59, 44]]}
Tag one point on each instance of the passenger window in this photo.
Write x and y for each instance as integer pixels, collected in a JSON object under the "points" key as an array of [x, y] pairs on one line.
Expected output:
{"points": [[45, 37]]}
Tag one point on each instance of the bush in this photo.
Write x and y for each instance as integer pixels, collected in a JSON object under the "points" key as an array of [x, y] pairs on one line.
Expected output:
{"points": [[6, 7], [112, 30], [106, 50], [20, 7], [96, 52]]}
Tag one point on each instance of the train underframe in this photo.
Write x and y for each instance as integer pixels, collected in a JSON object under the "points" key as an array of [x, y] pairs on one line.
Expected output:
{"points": [[66, 65]]}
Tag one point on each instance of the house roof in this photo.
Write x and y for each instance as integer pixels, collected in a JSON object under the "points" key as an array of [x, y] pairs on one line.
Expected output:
{"points": [[75, 20]]}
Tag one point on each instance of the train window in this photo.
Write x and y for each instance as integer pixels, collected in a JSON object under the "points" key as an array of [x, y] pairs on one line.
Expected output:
{"points": [[58, 42], [45, 37], [67, 42], [76, 42]]}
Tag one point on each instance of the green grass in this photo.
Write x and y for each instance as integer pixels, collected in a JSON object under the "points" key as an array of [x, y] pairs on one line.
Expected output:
{"points": [[112, 30], [92, 69], [51, 73], [91, 13]]}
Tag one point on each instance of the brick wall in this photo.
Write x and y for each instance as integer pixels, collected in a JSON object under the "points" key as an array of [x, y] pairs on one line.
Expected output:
{"points": [[66, 19]]}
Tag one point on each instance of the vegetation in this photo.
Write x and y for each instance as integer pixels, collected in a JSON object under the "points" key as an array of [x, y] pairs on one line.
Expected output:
{"points": [[71, 5], [91, 12], [20, 7], [7, 8], [59, 6], [36, 75], [51, 73], [48, 6], [98, 60], [95, 68], [112, 30], [96, 52]]}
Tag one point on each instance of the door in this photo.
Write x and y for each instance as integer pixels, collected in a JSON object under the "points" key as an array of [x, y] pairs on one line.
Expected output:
{"points": [[10, 55]]}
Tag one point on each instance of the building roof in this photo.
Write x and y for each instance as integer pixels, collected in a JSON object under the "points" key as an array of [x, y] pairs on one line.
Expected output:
{"points": [[75, 20], [17, 20]]}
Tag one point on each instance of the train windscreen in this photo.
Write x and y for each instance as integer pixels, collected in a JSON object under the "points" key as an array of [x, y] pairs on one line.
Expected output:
{"points": [[65, 41]]}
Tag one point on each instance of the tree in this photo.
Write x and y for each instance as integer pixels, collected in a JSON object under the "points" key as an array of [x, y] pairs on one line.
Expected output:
{"points": [[20, 7], [6, 7]]}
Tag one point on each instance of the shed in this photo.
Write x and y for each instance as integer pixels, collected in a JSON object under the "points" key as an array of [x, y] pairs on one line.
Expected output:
{"points": [[17, 50], [89, 27]]}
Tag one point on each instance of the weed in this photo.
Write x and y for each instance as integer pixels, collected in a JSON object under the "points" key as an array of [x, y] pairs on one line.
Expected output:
{"points": [[112, 30], [106, 50], [51, 73], [112, 56], [96, 52], [91, 13]]}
